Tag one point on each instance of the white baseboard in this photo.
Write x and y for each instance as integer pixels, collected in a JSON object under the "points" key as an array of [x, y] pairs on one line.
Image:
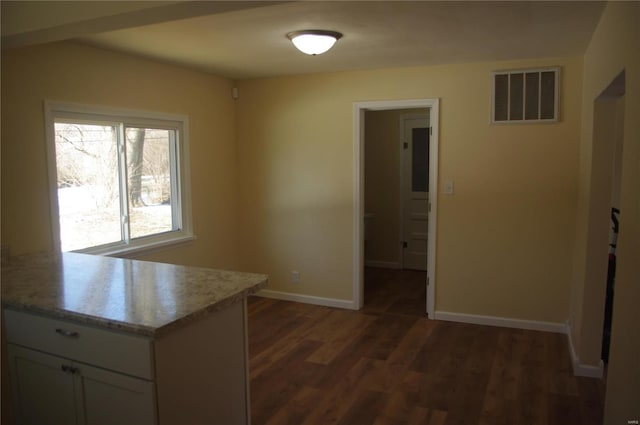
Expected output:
{"points": [[580, 369], [501, 321], [382, 264], [307, 299]]}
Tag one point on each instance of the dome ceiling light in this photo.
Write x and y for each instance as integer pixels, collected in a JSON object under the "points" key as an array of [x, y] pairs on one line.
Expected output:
{"points": [[314, 42]]}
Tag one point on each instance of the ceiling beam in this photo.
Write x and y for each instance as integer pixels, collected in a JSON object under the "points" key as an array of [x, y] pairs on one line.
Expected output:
{"points": [[29, 23]]}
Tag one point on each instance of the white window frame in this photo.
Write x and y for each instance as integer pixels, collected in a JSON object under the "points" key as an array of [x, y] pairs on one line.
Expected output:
{"points": [[556, 103], [129, 118]]}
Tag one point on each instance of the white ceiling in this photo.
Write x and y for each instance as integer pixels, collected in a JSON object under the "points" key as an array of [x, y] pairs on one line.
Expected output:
{"points": [[241, 39]]}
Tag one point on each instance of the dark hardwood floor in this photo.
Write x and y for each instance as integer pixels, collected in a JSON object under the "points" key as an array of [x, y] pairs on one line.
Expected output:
{"points": [[389, 364], [395, 292]]}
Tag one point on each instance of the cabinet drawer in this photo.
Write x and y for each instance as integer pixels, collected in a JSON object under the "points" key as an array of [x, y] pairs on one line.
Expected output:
{"points": [[104, 348]]}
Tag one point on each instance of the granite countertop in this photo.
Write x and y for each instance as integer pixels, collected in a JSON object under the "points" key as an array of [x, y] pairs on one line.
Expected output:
{"points": [[141, 297]]}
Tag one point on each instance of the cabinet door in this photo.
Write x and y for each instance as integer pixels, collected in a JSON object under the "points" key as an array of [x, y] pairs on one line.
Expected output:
{"points": [[43, 392], [111, 398]]}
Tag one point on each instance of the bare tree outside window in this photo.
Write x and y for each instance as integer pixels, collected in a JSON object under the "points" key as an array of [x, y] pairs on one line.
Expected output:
{"points": [[92, 209], [149, 181], [135, 142], [88, 200]]}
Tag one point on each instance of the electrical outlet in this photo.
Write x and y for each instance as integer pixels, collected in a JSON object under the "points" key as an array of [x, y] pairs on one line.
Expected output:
{"points": [[295, 277]]}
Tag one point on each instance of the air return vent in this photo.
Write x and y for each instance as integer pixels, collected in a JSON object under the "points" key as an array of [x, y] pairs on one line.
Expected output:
{"points": [[525, 96]]}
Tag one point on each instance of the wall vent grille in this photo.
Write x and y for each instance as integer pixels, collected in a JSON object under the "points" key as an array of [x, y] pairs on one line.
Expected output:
{"points": [[525, 96]]}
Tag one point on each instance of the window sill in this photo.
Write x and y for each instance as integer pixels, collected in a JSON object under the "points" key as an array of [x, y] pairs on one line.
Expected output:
{"points": [[143, 249]]}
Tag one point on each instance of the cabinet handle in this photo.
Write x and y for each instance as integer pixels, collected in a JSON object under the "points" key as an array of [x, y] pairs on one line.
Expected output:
{"points": [[70, 334]]}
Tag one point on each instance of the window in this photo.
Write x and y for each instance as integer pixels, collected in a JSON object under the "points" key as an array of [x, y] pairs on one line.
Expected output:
{"points": [[525, 96], [118, 179]]}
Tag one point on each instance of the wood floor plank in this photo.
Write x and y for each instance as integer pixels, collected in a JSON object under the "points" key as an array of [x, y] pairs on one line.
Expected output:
{"points": [[270, 389], [396, 327], [363, 346], [451, 356], [389, 365], [332, 323], [397, 408], [407, 350], [505, 369], [497, 411], [271, 323], [390, 292], [364, 409], [338, 400], [255, 304], [383, 378], [533, 406], [470, 385], [563, 409], [418, 416], [591, 396], [295, 410], [563, 381], [338, 340], [498, 407], [437, 417], [260, 361]]}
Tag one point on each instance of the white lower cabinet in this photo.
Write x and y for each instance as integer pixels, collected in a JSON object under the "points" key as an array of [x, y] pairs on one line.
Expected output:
{"points": [[55, 390], [69, 373]]}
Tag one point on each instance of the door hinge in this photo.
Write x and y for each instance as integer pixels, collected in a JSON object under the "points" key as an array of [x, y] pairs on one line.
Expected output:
{"points": [[404, 244], [429, 207], [405, 145], [427, 280], [430, 131]]}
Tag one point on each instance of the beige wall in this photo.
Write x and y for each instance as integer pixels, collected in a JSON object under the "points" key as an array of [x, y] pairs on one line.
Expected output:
{"points": [[76, 73], [613, 48], [504, 238], [504, 233], [382, 184]]}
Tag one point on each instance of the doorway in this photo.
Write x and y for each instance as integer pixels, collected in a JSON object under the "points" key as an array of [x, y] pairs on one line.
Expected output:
{"points": [[608, 136], [431, 164], [598, 292]]}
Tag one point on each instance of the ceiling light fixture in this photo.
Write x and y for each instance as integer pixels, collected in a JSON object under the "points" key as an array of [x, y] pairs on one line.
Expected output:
{"points": [[314, 42]]}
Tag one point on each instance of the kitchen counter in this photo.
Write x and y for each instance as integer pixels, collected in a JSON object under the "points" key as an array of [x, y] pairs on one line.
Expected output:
{"points": [[93, 339], [141, 297]]}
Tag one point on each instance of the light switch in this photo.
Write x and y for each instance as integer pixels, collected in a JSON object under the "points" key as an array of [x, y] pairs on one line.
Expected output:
{"points": [[448, 187]]}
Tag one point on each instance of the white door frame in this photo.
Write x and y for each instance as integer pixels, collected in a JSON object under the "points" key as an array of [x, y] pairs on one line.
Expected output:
{"points": [[359, 109]]}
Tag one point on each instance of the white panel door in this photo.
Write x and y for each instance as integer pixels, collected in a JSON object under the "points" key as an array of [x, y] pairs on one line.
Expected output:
{"points": [[415, 192]]}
